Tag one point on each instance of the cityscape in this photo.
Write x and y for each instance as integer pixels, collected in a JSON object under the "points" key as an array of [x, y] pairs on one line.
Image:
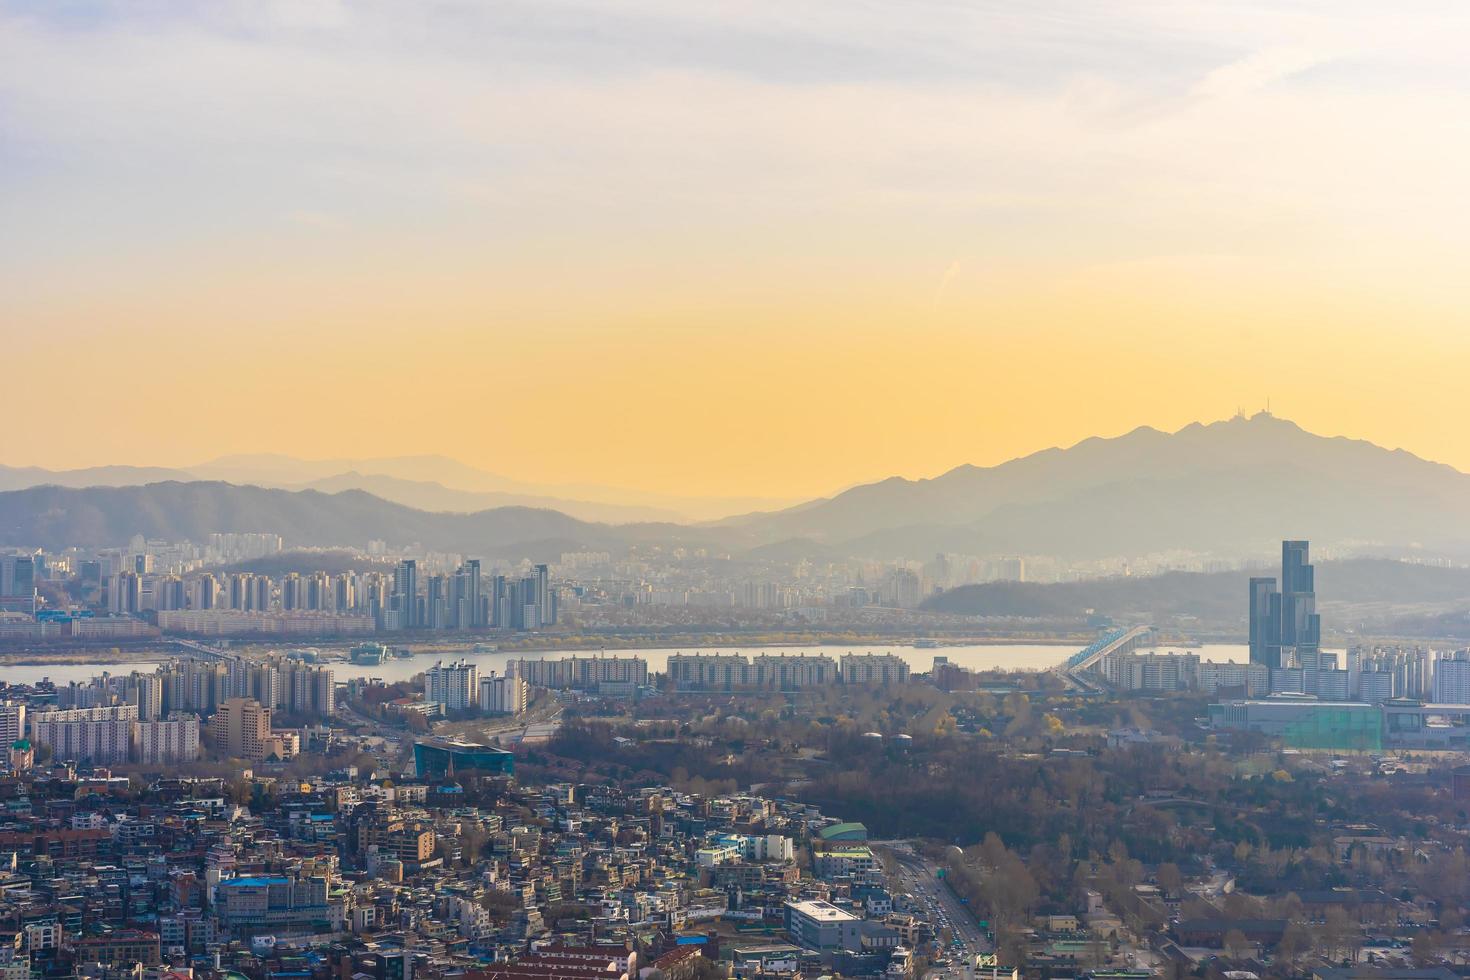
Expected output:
{"points": [[501, 490]]}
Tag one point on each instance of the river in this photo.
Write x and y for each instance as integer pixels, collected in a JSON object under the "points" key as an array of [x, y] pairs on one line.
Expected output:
{"points": [[1000, 656]]}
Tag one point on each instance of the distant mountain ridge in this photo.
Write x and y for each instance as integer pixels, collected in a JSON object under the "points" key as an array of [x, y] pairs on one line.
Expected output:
{"points": [[1233, 488], [55, 518], [435, 483]]}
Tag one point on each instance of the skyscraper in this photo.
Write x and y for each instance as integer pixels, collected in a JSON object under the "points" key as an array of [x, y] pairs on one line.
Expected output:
{"points": [[1285, 629], [1301, 627], [467, 607], [404, 601], [1264, 632]]}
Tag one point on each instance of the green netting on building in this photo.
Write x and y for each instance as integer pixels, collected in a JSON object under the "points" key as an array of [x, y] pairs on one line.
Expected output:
{"points": [[1349, 728]]}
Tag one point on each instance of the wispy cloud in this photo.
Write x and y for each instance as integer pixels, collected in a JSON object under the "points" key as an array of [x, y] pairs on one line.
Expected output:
{"points": [[1260, 69]]}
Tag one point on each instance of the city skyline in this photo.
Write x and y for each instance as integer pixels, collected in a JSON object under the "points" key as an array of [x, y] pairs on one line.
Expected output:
{"points": [[724, 251], [637, 490]]}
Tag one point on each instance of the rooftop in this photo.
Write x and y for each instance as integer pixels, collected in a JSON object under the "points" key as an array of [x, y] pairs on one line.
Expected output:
{"points": [[822, 911]]}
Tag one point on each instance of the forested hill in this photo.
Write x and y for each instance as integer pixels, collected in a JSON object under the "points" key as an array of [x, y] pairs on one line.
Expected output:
{"points": [[1218, 597]]}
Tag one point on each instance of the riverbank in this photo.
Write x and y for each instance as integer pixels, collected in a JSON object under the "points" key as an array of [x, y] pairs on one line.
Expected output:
{"points": [[153, 653]]}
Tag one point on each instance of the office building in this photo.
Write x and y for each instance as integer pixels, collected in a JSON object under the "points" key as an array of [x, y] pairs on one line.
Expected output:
{"points": [[18, 577], [241, 729], [1263, 632], [272, 905], [1305, 722], [443, 758], [823, 926], [1285, 629]]}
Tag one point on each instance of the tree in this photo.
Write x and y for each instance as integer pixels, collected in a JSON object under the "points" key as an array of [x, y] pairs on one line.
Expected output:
{"points": [[472, 841], [1170, 880], [1339, 934], [1237, 947], [1423, 949], [1295, 942]]}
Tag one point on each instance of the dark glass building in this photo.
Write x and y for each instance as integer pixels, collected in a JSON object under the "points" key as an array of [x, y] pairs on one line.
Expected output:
{"points": [[448, 758], [1284, 625]]}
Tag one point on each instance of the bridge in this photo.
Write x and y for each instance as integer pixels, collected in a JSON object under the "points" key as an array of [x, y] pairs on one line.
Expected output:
{"points": [[203, 651], [1113, 641]]}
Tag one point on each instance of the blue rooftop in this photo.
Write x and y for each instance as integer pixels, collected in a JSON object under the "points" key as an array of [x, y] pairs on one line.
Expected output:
{"points": [[248, 882]]}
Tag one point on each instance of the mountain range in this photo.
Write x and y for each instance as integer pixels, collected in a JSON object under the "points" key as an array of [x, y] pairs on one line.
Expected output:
{"points": [[1233, 488], [1228, 487], [433, 483]]}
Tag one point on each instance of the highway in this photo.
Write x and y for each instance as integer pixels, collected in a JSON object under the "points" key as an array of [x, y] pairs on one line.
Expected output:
{"points": [[912, 873]]}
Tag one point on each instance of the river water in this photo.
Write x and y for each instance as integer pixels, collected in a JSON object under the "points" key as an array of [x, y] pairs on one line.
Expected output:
{"points": [[1002, 656]]}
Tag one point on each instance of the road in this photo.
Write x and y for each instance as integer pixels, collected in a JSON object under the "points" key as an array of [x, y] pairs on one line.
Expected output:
{"points": [[913, 873]]}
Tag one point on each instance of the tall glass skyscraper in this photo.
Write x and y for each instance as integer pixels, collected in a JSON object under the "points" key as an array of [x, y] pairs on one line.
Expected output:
{"points": [[1285, 629]]}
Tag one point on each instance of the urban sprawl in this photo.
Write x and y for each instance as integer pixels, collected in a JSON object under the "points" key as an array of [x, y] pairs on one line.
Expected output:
{"points": [[239, 812]]}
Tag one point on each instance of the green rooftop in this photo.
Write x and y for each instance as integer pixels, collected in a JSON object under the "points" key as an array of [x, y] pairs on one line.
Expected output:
{"points": [[844, 831]]}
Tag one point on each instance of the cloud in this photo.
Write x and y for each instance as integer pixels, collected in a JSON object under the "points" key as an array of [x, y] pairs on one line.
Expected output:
{"points": [[1037, 132], [1259, 70]]}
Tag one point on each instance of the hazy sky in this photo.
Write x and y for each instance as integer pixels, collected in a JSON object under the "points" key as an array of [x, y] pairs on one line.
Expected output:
{"points": [[725, 247]]}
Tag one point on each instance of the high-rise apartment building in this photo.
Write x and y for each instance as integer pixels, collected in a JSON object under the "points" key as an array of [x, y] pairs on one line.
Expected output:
{"points": [[506, 694], [171, 740], [455, 686], [526, 603], [1452, 678], [101, 735], [197, 686], [12, 722], [145, 691], [403, 605], [468, 611], [874, 668], [582, 673], [261, 591]]}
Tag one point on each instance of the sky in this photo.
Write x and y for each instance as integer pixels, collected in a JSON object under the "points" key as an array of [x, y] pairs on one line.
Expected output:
{"points": [[745, 247]]}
